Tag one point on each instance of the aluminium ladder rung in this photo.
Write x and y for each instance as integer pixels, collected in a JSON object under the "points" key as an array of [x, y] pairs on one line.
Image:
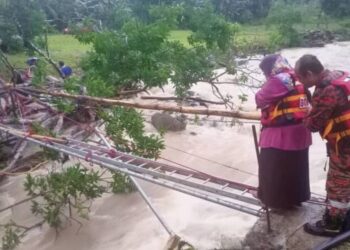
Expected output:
{"points": [[173, 172], [245, 191], [206, 181], [192, 184], [226, 185], [156, 169], [170, 176], [188, 177], [129, 161], [181, 171]]}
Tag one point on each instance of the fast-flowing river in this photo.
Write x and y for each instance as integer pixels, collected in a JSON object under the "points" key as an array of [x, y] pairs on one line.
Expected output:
{"points": [[211, 145]]}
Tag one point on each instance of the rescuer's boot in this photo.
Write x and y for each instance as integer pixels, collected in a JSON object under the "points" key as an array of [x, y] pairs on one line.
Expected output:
{"points": [[329, 226]]}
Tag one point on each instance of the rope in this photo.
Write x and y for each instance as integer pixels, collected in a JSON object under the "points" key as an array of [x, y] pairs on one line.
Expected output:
{"points": [[212, 161], [25, 172]]}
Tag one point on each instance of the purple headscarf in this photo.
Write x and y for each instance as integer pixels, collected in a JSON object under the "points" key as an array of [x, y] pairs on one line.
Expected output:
{"points": [[274, 64], [267, 63]]}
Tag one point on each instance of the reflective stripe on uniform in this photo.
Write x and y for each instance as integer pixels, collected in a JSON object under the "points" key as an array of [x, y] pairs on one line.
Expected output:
{"points": [[338, 204], [294, 98], [277, 112]]}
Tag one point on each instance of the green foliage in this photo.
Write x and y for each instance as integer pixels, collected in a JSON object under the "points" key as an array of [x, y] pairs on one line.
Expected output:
{"points": [[189, 66], [61, 13], [72, 85], [20, 21], [336, 8], [168, 16], [121, 184], [140, 8], [126, 60], [242, 11], [37, 129], [141, 54], [211, 29], [64, 13], [11, 238], [125, 127], [63, 105], [51, 154], [284, 37], [114, 17], [94, 86], [243, 98], [97, 87], [74, 188], [284, 17], [10, 40], [39, 73]]}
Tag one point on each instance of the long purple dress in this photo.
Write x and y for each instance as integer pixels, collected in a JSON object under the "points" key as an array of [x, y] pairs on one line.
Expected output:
{"points": [[284, 162]]}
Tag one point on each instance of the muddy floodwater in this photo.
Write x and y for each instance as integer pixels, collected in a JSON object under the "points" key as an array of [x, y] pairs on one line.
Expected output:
{"points": [[209, 144]]}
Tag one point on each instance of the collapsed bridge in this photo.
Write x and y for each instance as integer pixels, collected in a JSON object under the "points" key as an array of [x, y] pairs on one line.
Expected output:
{"points": [[27, 105]]}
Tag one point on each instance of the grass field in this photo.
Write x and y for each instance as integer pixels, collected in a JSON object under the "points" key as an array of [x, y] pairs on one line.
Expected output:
{"points": [[68, 49], [62, 47]]}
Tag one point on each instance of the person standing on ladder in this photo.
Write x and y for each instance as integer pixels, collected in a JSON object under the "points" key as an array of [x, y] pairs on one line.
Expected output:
{"points": [[330, 115], [284, 140]]}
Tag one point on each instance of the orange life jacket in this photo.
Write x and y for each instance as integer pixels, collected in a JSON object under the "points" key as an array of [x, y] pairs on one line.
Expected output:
{"points": [[292, 109], [338, 126]]}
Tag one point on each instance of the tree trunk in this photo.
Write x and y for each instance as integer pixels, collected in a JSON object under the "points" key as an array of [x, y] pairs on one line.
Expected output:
{"points": [[152, 106]]}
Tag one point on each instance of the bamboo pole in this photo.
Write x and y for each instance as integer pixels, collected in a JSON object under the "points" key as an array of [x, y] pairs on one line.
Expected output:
{"points": [[47, 58], [34, 136], [156, 106], [173, 98]]}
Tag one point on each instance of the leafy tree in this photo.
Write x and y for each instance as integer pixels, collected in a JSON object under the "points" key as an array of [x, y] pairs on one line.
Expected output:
{"points": [[242, 11], [23, 20], [72, 188], [40, 73], [141, 8], [140, 54], [109, 14], [284, 18], [126, 128], [210, 28], [113, 15], [20, 22], [336, 8], [61, 13], [64, 13], [128, 59], [11, 238]]}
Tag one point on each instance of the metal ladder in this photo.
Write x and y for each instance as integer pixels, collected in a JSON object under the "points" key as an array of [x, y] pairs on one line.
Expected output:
{"points": [[217, 190]]}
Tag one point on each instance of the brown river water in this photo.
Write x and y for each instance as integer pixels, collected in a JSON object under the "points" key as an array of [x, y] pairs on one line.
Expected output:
{"points": [[125, 222]]}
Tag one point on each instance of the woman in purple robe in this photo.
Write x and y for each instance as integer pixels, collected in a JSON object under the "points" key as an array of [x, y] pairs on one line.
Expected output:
{"points": [[284, 162]]}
